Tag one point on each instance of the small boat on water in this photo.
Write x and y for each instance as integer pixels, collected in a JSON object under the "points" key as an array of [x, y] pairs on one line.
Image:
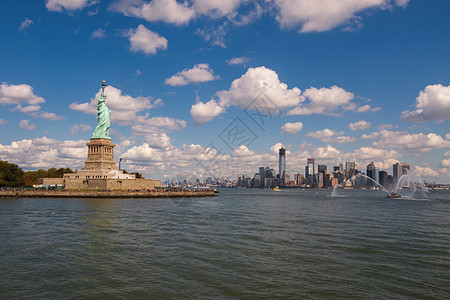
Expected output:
{"points": [[275, 189], [393, 195]]}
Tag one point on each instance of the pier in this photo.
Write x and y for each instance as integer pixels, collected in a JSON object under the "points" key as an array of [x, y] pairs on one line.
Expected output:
{"points": [[104, 194]]}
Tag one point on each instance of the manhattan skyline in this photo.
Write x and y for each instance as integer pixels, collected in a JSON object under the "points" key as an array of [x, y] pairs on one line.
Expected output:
{"points": [[351, 82]]}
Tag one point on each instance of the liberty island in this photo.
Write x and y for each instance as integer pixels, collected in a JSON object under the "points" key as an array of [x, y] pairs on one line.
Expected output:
{"points": [[100, 176]]}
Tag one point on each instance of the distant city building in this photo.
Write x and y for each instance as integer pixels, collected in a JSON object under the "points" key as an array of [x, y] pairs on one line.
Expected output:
{"points": [[334, 181], [360, 180], [315, 176], [287, 176], [310, 171], [383, 178], [257, 181], [373, 172], [122, 164], [398, 170], [262, 175], [376, 174], [369, 169], [282, 163], [350, 169], [268, 182], [299, 179], [322, 173], [322, 169]]}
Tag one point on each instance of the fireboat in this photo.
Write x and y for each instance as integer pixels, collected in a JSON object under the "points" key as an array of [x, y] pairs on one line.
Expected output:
{"points": [[393, 195]]}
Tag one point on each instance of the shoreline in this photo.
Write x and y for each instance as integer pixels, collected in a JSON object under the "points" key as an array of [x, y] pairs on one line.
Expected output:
{"points": [[105, 194]]}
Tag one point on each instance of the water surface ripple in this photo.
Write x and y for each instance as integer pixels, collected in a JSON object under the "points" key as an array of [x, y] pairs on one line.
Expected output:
{"points": [[245, 244]]}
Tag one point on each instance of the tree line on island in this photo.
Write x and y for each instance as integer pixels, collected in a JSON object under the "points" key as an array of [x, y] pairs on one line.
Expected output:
{"points": [[12, 175]]}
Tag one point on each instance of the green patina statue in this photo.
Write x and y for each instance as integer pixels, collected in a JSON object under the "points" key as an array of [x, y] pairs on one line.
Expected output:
{"points": [[102, 129]]}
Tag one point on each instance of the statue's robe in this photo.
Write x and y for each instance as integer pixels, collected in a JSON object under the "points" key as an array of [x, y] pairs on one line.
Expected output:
{"points": [[103, 112]]}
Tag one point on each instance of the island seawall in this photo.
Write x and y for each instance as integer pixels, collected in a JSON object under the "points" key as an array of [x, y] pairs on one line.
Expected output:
{"points": [[105, 194]]}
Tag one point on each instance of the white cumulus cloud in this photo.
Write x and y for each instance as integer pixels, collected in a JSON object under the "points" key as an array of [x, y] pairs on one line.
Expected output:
{"points": [[169, 11], [243, 151], [18, 94], [323, 15], [325, 101], [275, 149], [426, 172], [327, 153], [238, 61], [154, 138], [75, 128], [125, 109], [165, 122], [179, 12], [50, 116], [257, 82], [331, 136], [359, 125], [27, 125], [153, 131], [216, 8], [205, 112], [147, 41], [198, 73], [367, 153], [98, 33], [25, 24], [214, 34], [44, 152], [416, 142], [383, 158], [433, 103], [24, 99], [291, 128], [59, 5], [445, 162]]}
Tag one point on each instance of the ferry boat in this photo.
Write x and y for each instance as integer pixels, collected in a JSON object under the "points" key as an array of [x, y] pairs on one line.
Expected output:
{"points": [[393, 195]]}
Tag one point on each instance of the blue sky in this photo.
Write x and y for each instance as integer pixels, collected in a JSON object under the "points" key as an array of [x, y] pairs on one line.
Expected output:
{"points": [[364, 80]]}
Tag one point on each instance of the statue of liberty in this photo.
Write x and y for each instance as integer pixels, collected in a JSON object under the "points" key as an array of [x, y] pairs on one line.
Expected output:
{"points": [[102, 129]]}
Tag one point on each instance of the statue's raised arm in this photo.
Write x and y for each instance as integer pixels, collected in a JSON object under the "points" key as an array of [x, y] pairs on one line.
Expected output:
{"points": [[102, 129], [102, 93]]}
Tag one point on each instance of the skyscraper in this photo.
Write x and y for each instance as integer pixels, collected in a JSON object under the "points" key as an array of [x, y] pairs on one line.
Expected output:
{"points": [[262, 175], [370, 173], [322, 175], [398, 170], [322, 169], [376, 174], [350, 168], [310, 171], [282, 163], [383, 178], [122, 164]]}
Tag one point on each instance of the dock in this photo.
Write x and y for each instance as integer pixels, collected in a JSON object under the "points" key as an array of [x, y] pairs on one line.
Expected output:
{"points": [[105, 194]]}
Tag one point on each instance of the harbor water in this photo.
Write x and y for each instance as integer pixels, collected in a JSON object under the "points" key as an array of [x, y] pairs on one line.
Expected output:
{"points": [[244, 244]]}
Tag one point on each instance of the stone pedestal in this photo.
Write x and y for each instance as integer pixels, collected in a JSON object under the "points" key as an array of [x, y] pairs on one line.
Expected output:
{"points": [[100, 155]]}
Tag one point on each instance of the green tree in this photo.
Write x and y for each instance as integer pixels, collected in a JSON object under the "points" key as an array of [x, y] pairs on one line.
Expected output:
{"points": [[31, 177], [11, 174], [61, 171], [138, 175]]}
